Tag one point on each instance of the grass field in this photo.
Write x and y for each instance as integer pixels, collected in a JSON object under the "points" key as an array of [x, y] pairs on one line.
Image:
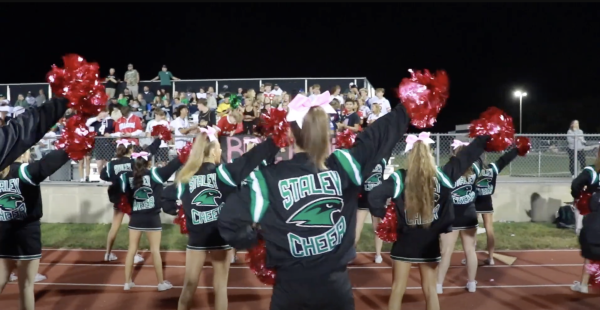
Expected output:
{"points": [[509, 236]]}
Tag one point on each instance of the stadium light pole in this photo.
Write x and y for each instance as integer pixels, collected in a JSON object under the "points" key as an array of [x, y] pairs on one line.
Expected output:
{"points": [[520, 94]]}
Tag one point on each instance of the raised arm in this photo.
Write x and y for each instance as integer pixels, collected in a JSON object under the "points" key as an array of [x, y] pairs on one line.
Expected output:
{"points": [[22, 132], [162, 174], [35, 173], [153, 148], [588, 176], [504, 160], [457, 165], [232, 174]]}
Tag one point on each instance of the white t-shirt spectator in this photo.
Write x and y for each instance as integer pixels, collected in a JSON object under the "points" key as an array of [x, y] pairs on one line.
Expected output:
{"points": [[339, 98], [180, 139], [149, 127], [374, 117], [384, 103], [276, 92]]}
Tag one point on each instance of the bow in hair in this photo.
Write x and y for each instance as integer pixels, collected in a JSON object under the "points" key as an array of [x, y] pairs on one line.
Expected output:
{"points": [[457, 143], [301, 104], [123, 142], [210, 132], [412, 139], [143, 155]]}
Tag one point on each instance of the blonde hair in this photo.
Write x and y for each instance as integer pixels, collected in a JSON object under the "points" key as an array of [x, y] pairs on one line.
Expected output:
{"points": [[236, 115], [420, 181], [380, 90], [470, 169], [314, 136], [200, 150]]}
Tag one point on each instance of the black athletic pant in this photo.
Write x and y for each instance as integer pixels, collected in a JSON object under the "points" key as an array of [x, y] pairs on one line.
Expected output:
{"points": [[327, 292]]}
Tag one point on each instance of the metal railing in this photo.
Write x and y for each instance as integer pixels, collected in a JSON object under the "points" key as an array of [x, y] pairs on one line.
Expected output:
{"points": [[549, 157], [288, 84]]}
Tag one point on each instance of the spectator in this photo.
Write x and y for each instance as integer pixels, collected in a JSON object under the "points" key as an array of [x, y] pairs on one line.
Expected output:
{"points": [[224, 106], [354, 90], [315, 90], [385, 104], [183, 98], [21, 102], [224, 90], [205, 116], [132, 78], [162, 156], [268, 93], [231, 124], [276, 101], [182, 127], [249, 116], [201, 93], [127, 94], [30, 99], [576, 141], [4, 113], [240, 92], [123, 101], [114, 109], [166, 78], [352, 121], [375, 114], [335, 94], [363, 110], [193, 104], [168, 109], [261, 89], [140, 98], [364, 95], [104, 127], [285, 98], [159, 95], [111, 83], [148, 95], [211, 100], [335, 118], [41, 98], [129, 125], [136, 108]]}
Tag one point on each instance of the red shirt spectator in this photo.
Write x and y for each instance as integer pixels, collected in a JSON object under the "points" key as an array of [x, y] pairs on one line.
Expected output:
{"points": [[230, 124], [129, 125]]}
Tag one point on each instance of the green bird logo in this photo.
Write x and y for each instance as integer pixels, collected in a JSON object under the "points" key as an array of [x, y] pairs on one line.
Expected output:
{"points": [[142, 193], [462, 191], [10, 201], [207, 198], [318, 213], [485, 182]]}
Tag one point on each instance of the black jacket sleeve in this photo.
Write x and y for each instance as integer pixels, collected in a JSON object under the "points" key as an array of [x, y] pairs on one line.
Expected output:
{"points": [[584, 179], [169, 200], [505, 159], [212, 118], [234, 173], [162, 174], [104, 172], [22, 132], [378, 139], [235, 221], [457, 165], [378, 197], [153, 148], [38, 171]]}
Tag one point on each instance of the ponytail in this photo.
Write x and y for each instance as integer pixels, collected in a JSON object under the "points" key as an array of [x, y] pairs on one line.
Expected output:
{"points": [[122, 151], [139, 168], [200, 150], [314, 136], [420, 183]]}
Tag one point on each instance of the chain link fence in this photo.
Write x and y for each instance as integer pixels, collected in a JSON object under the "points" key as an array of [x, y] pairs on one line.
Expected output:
{"points": [[551, 156]]}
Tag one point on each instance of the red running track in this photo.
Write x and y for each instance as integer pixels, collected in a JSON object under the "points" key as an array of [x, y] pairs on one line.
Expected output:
{"points": [[79, 280]]}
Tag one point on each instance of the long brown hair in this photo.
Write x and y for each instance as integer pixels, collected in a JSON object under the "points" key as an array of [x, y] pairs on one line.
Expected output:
{"points": [[123, 150], [470, 169], [314, 136], [139, 170], [200, 150], [420, 183]]}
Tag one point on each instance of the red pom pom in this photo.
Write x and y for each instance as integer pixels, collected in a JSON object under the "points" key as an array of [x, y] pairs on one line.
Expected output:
{"points": [[184, 152], [424, 95], [124, 205], [276, 126], [257, 261], [344, 139], [162, 132], [181, 219], [388, 227], [523, 145], [583, 203], [78, 81], [497, 124], [76, 139], [593, 269]]}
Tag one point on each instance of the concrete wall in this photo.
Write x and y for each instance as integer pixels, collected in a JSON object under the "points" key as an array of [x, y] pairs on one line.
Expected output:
{"points": [[69, 202]]}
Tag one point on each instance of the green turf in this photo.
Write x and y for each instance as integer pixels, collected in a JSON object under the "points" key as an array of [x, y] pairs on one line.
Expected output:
{"points": [[509, 236]]}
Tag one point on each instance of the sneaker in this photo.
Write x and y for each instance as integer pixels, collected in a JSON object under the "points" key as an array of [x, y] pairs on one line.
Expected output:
{"points": [[110, 257], [489, 261], [39, 278], [577, 287], [472, 286], [128, 286], [233, 259], [378, 259], [439, 288], [165, 285], [138, 259], [463, 261], [13, 277]]}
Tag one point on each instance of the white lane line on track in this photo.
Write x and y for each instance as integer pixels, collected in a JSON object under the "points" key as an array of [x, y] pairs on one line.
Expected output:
{"points": [[241, 252], [349, 267], [270, 288]]}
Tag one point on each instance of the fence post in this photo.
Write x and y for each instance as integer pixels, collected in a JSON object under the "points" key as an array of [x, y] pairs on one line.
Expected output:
{"points": [[539, 163], [575, 156], [437, 149], [306, 87]]}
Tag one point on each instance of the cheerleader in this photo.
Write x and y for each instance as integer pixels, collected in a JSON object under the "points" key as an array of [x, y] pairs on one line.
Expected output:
{"points": [[363, 208], [111, 173], [465, 216], [20, 213], [143, 188], [202, 187], [587, 181], [304, 207]]}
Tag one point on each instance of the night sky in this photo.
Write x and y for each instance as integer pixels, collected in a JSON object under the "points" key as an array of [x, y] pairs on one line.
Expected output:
{"points": [[489, 50]]}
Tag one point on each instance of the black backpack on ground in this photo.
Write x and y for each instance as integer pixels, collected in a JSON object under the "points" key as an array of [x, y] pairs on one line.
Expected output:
{"points": [[565, 217]]}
